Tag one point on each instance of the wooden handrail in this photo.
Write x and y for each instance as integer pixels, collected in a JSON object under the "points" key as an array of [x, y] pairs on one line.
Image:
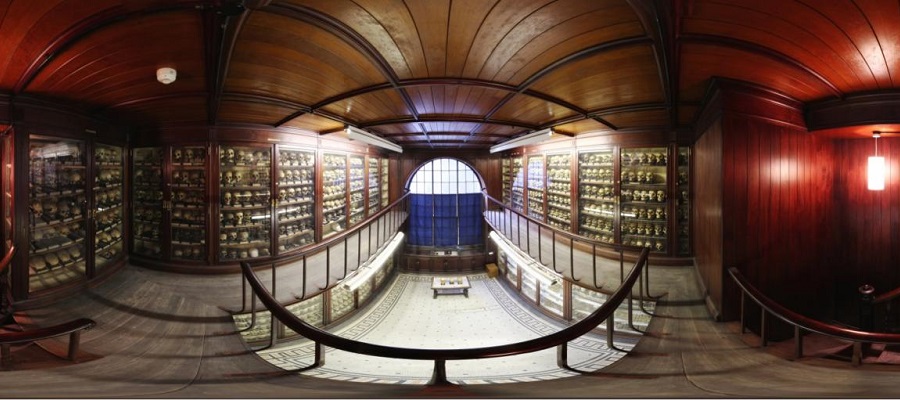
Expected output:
{"points": [[565, 234], [7, 259], [72, 328], [888, 296], [799, 321], [559, 338], [318, 247]]}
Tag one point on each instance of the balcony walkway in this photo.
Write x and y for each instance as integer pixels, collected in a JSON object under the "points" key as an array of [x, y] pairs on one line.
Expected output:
{"points": [[167, 335]]}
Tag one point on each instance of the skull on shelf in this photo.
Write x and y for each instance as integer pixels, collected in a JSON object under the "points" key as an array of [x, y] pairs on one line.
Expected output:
{"points": [[228, 179], [227, 199], [177, 156], [238, 177], [229, 156], [244, 236], [238, 218], [255, 177]]}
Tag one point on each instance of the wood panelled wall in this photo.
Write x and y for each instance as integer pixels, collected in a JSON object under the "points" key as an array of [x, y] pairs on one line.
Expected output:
{"points": [[869, 224], [777, 209], [707, 215]]}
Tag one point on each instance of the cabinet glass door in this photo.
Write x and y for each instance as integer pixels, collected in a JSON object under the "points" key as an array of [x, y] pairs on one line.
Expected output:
{"points": [[189, 203], [683, 201], [559, 191], [147, 201], [536, 187], [8, 174], [643, 198], [597, 196], [506, 180], [357, 190], [517, 194], [245, 218], [57, 185], [109, 205], [374, 186], [334, 194], [385, 187], [296, 198]]}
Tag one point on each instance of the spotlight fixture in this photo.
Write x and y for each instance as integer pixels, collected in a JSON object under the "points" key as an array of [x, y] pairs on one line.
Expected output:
{"points": [[354, 133], [524, 140], [166, 75], [875, 172]]}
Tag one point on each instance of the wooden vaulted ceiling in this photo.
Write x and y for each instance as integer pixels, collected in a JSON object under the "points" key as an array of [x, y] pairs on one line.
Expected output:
{"points": [[439, 73]]}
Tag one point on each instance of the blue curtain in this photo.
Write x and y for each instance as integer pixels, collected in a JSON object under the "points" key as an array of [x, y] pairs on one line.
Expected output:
{"points": [[445, 219], [470, 217], [420, 220]]}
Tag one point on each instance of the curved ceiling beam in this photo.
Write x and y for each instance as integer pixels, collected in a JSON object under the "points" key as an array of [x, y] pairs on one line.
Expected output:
{"points": [[87, 26], [339, 29], [219, 42], [658, 20], [760, 50], [444, 118]]}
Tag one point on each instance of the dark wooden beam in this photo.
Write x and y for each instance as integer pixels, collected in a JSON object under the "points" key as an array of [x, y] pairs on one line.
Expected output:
{"points": [[220, 30]]}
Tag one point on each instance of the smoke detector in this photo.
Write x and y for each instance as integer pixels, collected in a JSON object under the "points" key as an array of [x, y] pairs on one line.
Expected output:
{"points": [[166, 75]]}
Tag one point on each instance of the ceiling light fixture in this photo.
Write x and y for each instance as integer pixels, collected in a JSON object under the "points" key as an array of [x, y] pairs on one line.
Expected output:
{"points": [[524, 140], [354, 133], [875, 172], [166, 75]]}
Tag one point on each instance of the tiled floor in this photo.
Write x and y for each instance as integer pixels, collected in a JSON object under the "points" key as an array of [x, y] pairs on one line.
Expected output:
{"points": [[407, 315]]}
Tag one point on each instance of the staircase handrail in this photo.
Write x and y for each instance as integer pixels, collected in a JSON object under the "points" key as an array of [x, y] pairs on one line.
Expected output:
{"points": [[801, 322]]}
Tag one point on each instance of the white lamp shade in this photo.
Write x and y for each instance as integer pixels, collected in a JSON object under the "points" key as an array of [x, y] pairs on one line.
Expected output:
{"points": [[166, 75], [875, 173]]}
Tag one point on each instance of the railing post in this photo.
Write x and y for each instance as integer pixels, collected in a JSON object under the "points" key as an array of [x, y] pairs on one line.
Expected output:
{"points": [[857, 354], [319, 358], [743, 301], [439, 376], [764, 341], [798, 343], [866, 308], [74, 340], [610, 329], [540, 256], [562, 355]]}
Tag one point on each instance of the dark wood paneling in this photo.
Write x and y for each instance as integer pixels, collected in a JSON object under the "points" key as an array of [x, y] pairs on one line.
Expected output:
{"points": [[870, 220], [707, 212], [777, 186]]}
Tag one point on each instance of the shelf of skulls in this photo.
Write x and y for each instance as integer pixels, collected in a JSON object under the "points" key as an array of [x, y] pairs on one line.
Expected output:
{"points": [[187, 157], [189, 177], [62, 256]]}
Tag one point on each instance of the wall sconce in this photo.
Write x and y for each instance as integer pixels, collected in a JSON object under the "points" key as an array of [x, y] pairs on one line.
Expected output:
{"points": [[875, 172]]}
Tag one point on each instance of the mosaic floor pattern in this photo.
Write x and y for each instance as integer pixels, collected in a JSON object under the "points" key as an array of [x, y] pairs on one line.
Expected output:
{"points": [[406, 315]]}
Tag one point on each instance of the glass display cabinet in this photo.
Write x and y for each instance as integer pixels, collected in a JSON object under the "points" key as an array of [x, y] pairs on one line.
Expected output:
{"points": [[188, 203], [245, 211], [357, 189], [296, 204], [643, 198], [334, 194], [506, 180], [517, 194], [109, 205], [597, 205], [683, 201], [8, 160], [58, 212], [385, 187], [559, 191], [374, 173], [536, 187], [147, 201]]}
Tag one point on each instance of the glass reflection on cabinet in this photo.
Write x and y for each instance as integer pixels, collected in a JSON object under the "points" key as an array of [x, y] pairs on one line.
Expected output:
{"points": [[559, 191], [244, 217], [385, 177], [357, 190], [643, 198], [683, 202], [147, 201], [597, 196], [108, 205], [189, 210], [296, 198], [334, 194], [57, 187], [536, 187], [374, 186]]}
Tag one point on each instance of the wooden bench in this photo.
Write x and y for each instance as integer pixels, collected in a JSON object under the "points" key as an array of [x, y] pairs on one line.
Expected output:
{"points": [[72, 328]]}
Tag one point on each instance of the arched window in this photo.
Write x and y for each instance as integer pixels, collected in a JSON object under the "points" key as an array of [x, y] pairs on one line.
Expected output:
{"points": [[446, 205]]}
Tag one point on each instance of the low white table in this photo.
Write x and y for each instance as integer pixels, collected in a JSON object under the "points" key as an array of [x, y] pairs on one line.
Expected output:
{"points": [[450, 285]]}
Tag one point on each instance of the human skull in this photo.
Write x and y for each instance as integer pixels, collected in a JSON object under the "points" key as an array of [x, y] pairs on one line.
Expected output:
{"points": [[75, 252], [116, 234], [660, 196], [229, 155], [181, 196], [255, 177], [238, 177], [281, 176], [247, 196], [195, 253], [227, 199], [238, 218], [178, 253], [37, 208], [244, 254], [241, 156], [177, 156], [232, 236], [50, 207], [282, 194], [228, 179], [244, 236], [254, 253], [52, 259], [196, 178]]}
